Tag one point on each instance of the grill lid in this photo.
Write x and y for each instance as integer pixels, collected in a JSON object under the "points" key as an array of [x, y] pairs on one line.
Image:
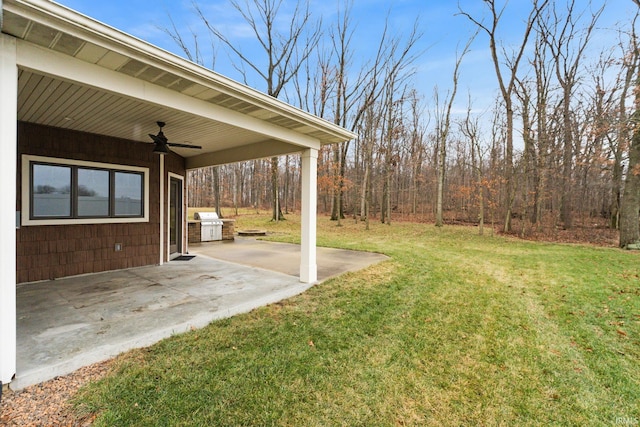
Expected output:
{"points": [[207, 217]]}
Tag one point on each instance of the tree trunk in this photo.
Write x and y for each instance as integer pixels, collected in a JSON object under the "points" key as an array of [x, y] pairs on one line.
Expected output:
{"points": [[567, 162], [442, 153], [286, 184], [276, 212], [385, 194], [629, 216], [508, 165], [236, 187], [476, 165], [216, 188], [335, 205], [622, 133], [630, 206], [365, 183]]}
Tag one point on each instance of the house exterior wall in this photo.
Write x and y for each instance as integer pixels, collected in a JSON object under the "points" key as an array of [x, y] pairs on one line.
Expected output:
{"points": [[53, 251]]}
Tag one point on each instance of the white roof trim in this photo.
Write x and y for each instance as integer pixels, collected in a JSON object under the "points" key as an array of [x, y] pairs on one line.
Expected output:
{"points": [[69, 21]]}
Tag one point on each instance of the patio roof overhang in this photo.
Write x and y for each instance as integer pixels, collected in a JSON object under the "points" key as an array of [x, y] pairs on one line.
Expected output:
{"points": [[77, 73]]}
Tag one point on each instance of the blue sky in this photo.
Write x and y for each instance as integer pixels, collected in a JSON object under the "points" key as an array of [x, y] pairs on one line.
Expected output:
{"points": [[444, 33]]}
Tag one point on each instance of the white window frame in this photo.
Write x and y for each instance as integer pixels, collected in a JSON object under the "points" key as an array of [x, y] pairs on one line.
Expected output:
{"points": [[27, 159]]}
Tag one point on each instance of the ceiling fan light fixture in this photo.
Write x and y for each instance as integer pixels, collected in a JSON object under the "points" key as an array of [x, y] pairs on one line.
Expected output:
{"points": [[162, 144], [161, 149]]}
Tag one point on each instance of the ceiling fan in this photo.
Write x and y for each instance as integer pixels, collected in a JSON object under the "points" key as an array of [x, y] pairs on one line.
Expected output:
{"points": [[162, 144]]}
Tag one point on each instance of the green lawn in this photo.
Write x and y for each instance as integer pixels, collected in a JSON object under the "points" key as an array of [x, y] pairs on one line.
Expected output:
{"points": [[456, 329]]}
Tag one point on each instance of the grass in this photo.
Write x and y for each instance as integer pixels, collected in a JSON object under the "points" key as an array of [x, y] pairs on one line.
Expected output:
{"points": [[456, 329]]}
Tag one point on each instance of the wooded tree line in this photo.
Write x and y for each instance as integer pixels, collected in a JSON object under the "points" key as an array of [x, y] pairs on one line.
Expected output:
{"points": [[559, 147]]}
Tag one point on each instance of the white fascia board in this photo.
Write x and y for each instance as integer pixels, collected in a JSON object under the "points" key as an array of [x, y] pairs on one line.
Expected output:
{"points": [[74, 23], [51, 63]]}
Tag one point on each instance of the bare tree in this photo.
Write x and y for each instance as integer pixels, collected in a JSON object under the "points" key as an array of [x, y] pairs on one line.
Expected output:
{"points": [[523, 92], [368, 127], [507, 87], [416, 148], [285, 51], [470, 128], [567, 43], [630, 204], [442, 119], [443, 122], [393, 166], [389, 137], [542, 72], [611, 130], [353, 98], [341, 41]]}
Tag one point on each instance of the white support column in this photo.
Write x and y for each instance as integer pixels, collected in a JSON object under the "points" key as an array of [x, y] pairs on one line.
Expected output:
{"points": [[161, 213], [8, 161], [308, 266]]}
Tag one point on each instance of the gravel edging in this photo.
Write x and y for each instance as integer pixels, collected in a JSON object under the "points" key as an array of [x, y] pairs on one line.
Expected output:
{"points": [[47, 403]]}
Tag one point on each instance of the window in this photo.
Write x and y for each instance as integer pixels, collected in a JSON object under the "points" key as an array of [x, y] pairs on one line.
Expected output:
{"points": [[93, 192], [66, 191], [51, 189], [128, 194]]}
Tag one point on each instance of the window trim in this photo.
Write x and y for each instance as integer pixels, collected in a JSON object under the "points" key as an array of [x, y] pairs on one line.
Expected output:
{"points": [[27, 160]]}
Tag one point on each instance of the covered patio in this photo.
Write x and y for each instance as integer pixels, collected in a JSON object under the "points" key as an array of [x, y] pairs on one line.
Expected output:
{"points": [[72, 322], [80, 101]]}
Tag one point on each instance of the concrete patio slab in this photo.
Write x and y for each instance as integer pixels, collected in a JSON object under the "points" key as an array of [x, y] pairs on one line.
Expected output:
{"points": [[285, 257], [68, 323]]}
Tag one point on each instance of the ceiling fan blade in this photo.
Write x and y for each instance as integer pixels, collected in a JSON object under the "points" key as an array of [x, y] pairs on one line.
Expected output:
{"points": [[174, 144]]}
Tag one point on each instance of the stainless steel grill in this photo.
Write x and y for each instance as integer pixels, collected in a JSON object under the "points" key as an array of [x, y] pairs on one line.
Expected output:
{"points": [[210, 226]]}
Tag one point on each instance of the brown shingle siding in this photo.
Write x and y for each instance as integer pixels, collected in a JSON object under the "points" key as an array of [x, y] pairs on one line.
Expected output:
{"points": [[49, 252]]}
